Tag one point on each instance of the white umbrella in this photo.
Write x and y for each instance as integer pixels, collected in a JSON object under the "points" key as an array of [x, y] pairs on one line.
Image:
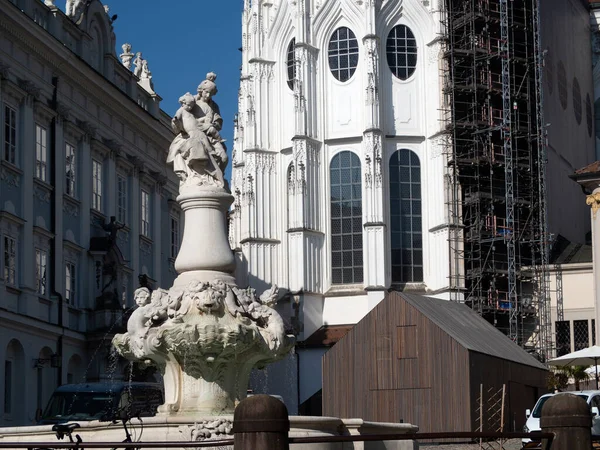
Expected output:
{"points": [[586, 357]]}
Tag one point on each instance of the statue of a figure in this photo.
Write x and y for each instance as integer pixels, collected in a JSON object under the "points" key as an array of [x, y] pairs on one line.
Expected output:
{"points": [[197, 153], [137, 62], [74, 9], [126, 56], [112, 228], [145, 71]]}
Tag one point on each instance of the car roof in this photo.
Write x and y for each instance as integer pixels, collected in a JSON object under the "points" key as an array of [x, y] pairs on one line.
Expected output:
{"points": [[588, 393], [116, 386]]}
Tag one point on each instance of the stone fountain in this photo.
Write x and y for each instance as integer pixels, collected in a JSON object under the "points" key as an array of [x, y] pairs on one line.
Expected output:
{"points": [[206, 334]]}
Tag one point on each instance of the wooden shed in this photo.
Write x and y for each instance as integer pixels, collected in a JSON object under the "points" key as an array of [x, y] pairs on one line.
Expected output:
{"points": [[423, 361]]}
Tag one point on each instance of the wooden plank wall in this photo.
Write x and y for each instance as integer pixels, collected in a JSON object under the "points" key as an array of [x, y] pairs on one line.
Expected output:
{"points": [[524, 384], [397, 365]]}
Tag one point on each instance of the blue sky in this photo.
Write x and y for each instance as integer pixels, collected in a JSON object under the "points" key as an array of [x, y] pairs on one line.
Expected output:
{"points": [[183, 40]]}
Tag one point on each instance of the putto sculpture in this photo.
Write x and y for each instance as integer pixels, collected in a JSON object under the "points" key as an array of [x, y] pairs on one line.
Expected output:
{"points": [[204, 333]]}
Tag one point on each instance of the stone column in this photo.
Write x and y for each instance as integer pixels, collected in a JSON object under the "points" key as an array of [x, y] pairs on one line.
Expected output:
{"points": [[594, 201]]}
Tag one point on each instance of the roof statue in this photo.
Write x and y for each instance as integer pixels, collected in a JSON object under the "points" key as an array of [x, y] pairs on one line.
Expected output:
{"points": [[75, 9], [127, 55]]}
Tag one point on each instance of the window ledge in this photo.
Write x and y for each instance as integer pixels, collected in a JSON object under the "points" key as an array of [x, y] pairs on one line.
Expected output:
{"points": [[346, 289], [45, 300], [10, 166], [43, 184], [146, 239], [13, 289], [71, 199]]}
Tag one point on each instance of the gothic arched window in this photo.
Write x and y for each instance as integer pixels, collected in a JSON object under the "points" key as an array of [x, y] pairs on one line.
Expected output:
{"points": [[346, 219], [291, 63], [401, 50], [405, 215], [343, 53]]}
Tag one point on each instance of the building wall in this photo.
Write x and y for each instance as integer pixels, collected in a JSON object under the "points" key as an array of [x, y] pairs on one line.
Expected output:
{"points": [[295, 118], [67, 79], [568, 111], [387, 368]]}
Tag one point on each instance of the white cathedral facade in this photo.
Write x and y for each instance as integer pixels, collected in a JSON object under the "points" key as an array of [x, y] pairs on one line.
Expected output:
{"points": [[338, 170]]}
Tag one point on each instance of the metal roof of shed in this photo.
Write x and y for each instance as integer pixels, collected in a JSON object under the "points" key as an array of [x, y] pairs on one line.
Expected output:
{"points": [[469, 329]]}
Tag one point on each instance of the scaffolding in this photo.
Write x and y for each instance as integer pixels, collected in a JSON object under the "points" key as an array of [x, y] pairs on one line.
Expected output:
{"points": [[495, 152]]}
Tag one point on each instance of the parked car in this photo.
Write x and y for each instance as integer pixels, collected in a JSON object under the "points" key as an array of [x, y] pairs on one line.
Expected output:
{"points": [[102, 401], [533, 417]]}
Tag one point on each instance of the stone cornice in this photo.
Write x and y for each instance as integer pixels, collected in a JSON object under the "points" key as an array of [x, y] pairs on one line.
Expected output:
{"points": [[46, 47]]}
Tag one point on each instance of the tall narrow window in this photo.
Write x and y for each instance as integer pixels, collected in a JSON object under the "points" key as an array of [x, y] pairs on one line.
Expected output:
{"points": [[145, 216], [70, 170], [41, 265], [97, 185], [121, 199], [8, 387], [70, 283], [10, 261], [174, 237], [563, 337], [10, 135], [346, 219], [41, 152], [405, 215], [291, 63], [581, 334]]}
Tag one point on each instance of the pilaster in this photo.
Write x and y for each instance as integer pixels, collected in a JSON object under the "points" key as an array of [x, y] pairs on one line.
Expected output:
{"points": [[85, 193], [157, 229], [593, 200], [134, 240], [27, 141], [59, 189]]}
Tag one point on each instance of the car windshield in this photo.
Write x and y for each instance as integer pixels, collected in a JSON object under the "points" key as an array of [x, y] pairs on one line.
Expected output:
{"points": [[537, 411], [79, 406]]}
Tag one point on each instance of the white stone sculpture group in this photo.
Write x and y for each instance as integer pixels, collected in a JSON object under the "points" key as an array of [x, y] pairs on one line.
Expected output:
{"points": [[198, 152], [204, 333]]}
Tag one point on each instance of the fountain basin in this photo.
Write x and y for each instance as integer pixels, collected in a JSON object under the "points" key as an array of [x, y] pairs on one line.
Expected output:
{"points": [[173, 429]]}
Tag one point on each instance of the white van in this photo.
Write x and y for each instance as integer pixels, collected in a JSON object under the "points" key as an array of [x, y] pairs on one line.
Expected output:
{"points": [[533, 417]]}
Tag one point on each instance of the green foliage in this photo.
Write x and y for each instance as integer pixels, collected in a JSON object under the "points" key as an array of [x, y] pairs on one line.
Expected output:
{"points": [[558, 378]]}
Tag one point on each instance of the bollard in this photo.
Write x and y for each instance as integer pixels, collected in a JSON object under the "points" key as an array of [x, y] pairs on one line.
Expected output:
{"points": [[570, 419], [261, 422]]}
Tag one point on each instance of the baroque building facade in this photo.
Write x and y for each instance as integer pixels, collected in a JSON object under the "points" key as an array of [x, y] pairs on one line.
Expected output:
{"points": [[87, 208]]}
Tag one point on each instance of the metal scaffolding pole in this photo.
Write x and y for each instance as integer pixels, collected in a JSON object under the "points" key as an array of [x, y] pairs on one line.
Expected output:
{"points": [[509, 168], [545, 319]]}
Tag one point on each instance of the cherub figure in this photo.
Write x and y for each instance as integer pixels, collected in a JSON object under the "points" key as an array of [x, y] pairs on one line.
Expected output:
{"points": [[189, 150]]}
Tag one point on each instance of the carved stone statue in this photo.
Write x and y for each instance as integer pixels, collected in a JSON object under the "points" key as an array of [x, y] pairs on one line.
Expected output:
{"points": [[137, 62], [198, 152], [74, 9], [126, 56]]}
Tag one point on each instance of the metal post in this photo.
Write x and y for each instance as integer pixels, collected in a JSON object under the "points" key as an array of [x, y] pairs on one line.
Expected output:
{"points": [[569, 418], [261, 422]]}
